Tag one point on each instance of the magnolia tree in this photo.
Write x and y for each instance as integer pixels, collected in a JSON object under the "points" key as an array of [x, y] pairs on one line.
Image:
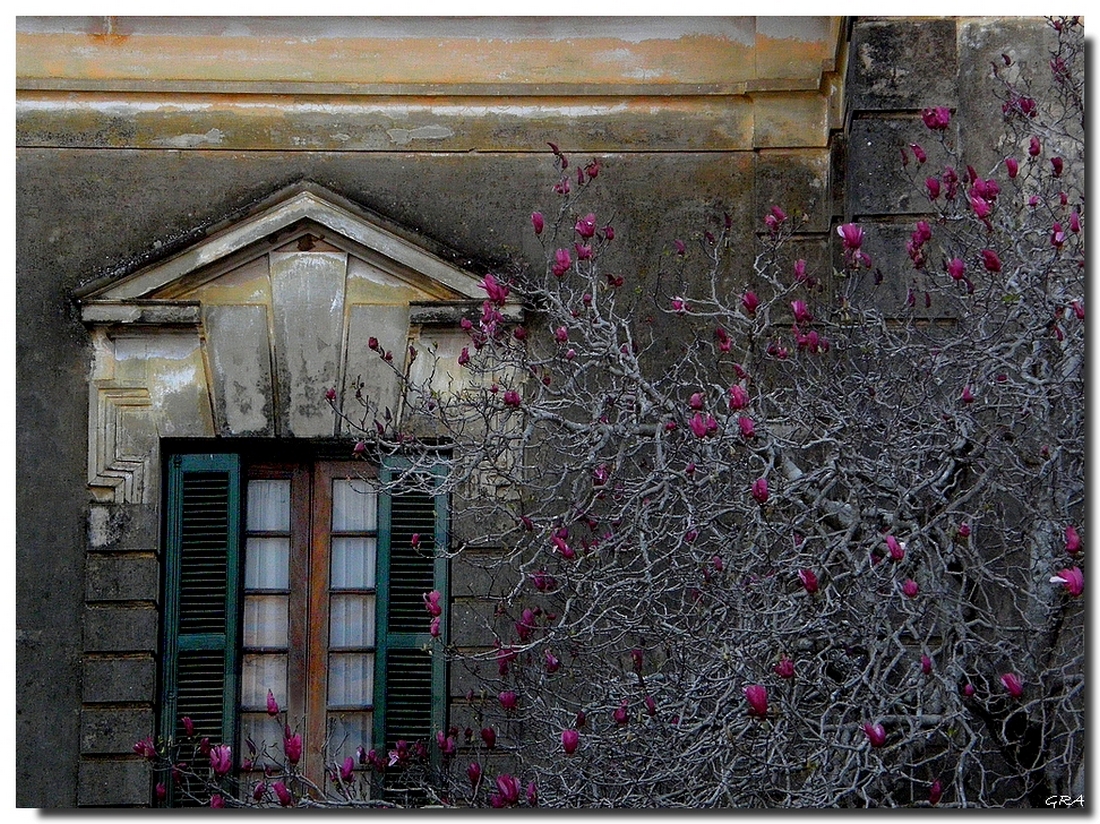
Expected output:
{"points": [[795, 544]]}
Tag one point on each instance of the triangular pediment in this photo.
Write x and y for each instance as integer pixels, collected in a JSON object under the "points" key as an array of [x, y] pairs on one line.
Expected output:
{"points": [[305, 220]]}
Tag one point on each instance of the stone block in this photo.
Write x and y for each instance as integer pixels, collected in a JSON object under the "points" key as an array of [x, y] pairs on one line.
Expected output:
{"points": [[798, 182], [112, 629], [111, 731], [877, 182], [122, 577], [114, 783], [474, 625], [119, 527], [902, 63], [119, 680], [479, 575]]}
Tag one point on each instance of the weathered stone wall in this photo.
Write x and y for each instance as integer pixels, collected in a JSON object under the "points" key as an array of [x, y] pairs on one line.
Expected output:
{"points": [[137, 137]]}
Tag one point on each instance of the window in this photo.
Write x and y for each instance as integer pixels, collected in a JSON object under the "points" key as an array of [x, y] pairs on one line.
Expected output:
{"points": [[305, 580]]}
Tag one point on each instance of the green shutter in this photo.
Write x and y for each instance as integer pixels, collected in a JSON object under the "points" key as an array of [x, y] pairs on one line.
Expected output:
{"points": [[201, 605], [410, 681]]}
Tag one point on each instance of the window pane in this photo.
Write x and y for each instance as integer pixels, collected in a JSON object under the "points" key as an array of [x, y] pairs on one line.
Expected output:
{"points": [[266, 733], [351, 621], [267, 563], [353, 561], [350, 679], [354, 506], [269, 506], [346, 731], [265, 620], [260, 673]]}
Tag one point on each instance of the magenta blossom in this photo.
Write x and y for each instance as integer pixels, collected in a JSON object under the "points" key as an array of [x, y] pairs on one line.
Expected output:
{"points": [[750, 302], [937, 119], [569, 741], [562, 262], [932, 184], [1013, 166], [282, 793], [739, 397], [508, 700], [145, 748], [507, 791], [748, 430], [785, 668], [991, 260], [918, 152], [926, 665], [852, 236], [896, 548], [621, 714], [292, 746], [538, 222], [650, 706], [956, 268], [935, 792], [910, 588], [188, 726], [1071, 579], [497, 291], [757, 696], [1012, 684], [216, 801], [964, 530], [1056, 163], [586, 226], [489, 736], [511, 398], [760, 490], [808, 579], [875, 733], [473, 773], [221, 759], [801, 312], [431, 603], [967, 396], [1073, 540], [552, 662], [679, 306], [347, 769], [696, 400]]}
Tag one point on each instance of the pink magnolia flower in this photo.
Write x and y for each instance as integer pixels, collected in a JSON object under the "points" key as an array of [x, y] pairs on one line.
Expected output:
{"points": [[431, 603], [538, 222], [760, 490], [679, 305], [702, 426], [964, 530], [272, 704], [621, 715], [161, 791], [496, 291], [347, 769], [1034, 147], [1012, 684], [926, 665], [932, 184], [650, 706], [292, 746], [991, 261], [910, 588], [473, 773], [748, 430], [739, 397], [967, 396], [145, 748], [216, 801], [1056, 163], [586, 226], [489, 736], [1071, 579], [511, 398], [937, 119], [584, 251], [1073, 540], [282, 793], [968, 691], [508, 700], [785, 668], [569, 740], [800, 270], [757, 696], [552, 662], [808, 579], [1074, 222], [562, 262], [1013, 166], [561, 334], [956, 268], [852, 236], [801, 311], [221, 759], [918, 152], [875, 733], [532, 794], [935, 792], [434, 628], [896, 548], [750, 302]]}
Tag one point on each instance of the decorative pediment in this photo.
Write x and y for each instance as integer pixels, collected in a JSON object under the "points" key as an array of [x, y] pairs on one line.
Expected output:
{"points": [[244, 333]]}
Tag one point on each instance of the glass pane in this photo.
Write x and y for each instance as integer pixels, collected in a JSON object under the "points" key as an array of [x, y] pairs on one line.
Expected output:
{"points": [[354, 506], [350, 679], [265, 620], [353, 562], [260, 673], [351, 621], [269, 506], [266, 734], [267, 563], [346, 731]]}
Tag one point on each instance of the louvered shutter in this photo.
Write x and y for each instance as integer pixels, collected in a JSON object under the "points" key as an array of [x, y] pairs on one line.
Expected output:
{"points": [[410, 681], [201, 615]]}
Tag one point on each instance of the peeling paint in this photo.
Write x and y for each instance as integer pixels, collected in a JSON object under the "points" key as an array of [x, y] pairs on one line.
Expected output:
{"points": [[403, 136], [214, 137]]}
